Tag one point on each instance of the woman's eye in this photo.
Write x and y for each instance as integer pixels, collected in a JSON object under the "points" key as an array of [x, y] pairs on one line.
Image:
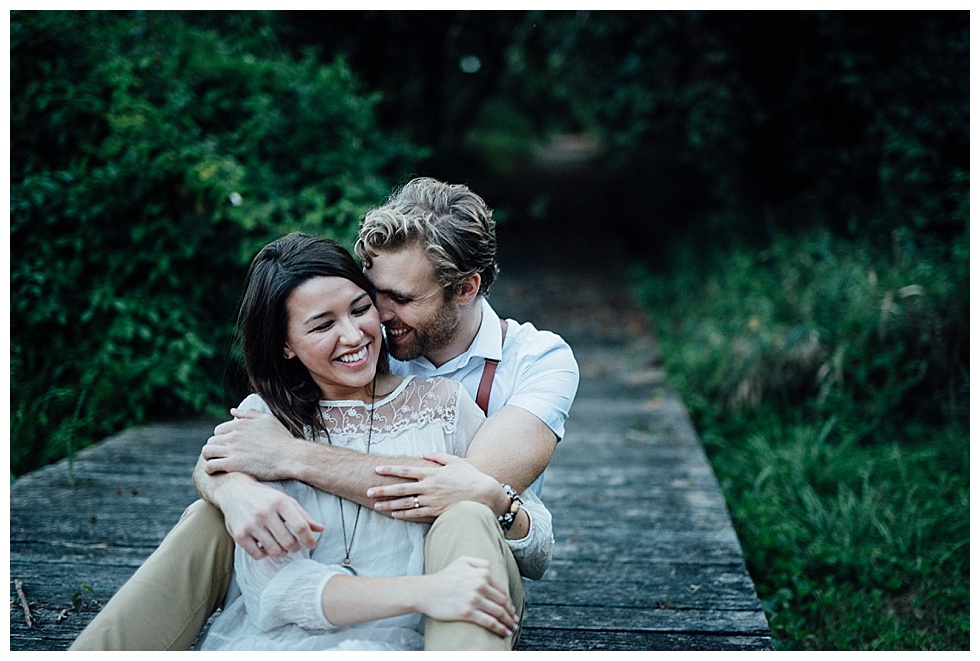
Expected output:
{"points": [[362, 310], [323, 327]]}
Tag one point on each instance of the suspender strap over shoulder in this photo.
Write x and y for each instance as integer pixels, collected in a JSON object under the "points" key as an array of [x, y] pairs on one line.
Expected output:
{"points": [[489, 369]]}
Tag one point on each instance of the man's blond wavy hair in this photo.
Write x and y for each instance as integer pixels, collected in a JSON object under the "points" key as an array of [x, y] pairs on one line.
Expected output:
{"points": [[452, 224]]}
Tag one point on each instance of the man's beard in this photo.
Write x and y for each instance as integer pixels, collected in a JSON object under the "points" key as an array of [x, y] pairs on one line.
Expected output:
{"points": [[429, 336]]}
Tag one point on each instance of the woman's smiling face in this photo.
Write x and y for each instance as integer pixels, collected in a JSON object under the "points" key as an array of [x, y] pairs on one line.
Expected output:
{"points": [[334, 329]]}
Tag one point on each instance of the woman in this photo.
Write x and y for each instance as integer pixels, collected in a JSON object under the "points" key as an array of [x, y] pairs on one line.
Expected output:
{"points": [[315, 356]]}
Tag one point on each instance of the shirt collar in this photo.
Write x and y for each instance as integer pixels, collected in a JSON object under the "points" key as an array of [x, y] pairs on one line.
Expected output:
{"points": [[487, 342]]}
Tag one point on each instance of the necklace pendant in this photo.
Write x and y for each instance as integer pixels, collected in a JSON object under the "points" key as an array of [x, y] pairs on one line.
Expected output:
{"points": [[347, 567]]}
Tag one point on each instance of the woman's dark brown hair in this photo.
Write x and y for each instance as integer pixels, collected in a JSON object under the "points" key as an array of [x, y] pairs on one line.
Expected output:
{"points": [[276, 271]]}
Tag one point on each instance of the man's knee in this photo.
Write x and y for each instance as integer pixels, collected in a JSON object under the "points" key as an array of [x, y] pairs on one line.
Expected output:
{"points": [[204, 524], [464, 522], [469, 529], [203, 513]]}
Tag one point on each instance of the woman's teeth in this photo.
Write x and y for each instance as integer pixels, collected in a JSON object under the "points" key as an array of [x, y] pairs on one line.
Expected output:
{"points": [[354, 357]]}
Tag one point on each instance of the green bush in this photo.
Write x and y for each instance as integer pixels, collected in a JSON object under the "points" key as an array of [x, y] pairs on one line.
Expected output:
{"points": [[150, 159], [824, 323], [829, 382]]}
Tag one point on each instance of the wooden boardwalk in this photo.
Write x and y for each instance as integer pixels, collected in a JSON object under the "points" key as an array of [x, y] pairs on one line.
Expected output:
{"points": [[646, 557]]}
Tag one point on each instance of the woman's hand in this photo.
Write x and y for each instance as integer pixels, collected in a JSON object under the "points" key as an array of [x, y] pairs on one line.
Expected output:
{"points": [[466, 591], [433, 490]]}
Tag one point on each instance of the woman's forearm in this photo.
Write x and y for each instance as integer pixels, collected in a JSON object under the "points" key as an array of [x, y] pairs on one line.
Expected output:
{"points": [[354, 599], [464, 591]]}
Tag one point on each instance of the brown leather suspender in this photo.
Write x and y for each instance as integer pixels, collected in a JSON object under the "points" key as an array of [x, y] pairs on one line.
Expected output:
{"points": [[489, 368]]}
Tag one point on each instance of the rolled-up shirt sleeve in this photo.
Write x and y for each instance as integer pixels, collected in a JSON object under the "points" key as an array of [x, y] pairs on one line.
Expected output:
{"points": [[533, 552]]}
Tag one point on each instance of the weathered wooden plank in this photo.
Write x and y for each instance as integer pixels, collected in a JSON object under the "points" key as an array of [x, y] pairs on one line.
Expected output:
{"points": [[142, 532], [57, 584], [43, 639], [39, 560], [126, 493], [660, 585], [534, 639], [663, 620], [56, 622]]}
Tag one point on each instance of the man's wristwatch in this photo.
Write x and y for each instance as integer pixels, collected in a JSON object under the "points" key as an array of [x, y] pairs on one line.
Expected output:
{"points": [[506, 520]]}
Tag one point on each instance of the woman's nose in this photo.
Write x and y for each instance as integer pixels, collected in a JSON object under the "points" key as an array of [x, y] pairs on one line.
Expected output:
{"points": [[350, 331]]}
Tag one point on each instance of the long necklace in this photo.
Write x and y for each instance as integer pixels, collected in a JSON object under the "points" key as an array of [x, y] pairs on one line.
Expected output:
{"points": [[343, 524]]}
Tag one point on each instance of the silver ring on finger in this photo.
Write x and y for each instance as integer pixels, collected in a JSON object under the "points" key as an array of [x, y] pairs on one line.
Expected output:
{"points": [[417, 504]]}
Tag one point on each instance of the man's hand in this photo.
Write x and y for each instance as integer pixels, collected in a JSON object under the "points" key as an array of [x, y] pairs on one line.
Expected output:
{"points": [[449, 481], [252, 442], [264, 521]]}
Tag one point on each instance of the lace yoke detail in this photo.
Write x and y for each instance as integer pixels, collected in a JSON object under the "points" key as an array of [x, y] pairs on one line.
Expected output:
{"points": [[417, 403]]}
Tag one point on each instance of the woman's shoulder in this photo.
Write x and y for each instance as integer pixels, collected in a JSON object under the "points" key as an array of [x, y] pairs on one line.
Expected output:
{"points": [[428, 393], [397, 389], [438, 385], [255, 403]]}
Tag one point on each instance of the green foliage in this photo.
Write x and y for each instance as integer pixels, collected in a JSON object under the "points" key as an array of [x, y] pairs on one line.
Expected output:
{"points": [[712, 120], [829, 382], [714, 124], [853, 547], [84, 598], [150, 159], [822, 323]]}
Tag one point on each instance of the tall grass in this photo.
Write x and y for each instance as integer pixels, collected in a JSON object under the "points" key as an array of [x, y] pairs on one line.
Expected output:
{"points": [[829, 381]]}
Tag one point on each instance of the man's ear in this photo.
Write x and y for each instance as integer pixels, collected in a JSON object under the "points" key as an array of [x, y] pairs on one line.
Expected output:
{"points": [[467, 290]]}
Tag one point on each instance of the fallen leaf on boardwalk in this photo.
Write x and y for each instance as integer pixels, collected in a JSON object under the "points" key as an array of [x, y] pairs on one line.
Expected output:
{"points": [[644, 378], [639, 436], [653, 404]]}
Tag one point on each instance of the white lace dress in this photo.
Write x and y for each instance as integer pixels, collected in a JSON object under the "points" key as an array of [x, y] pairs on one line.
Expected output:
{"points": [[275, 603]]}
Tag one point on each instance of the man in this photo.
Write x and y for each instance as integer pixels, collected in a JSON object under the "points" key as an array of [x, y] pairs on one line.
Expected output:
{"points": [[431, 253]]}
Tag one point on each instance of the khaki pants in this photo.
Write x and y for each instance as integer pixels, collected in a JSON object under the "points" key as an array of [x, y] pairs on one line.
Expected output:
{"points": [[471, 529], [169, 599]]}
